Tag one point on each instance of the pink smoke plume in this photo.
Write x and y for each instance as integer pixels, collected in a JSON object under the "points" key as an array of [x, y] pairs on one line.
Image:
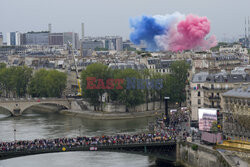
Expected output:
{"points": [[190, 34]]}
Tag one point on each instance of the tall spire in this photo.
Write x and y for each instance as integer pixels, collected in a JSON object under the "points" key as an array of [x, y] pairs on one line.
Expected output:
{"points": [[245, 27], [82, 31], [248, 28]]}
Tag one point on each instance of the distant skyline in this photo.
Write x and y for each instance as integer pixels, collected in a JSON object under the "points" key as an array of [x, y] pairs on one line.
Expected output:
{"points": [[111, 17]]}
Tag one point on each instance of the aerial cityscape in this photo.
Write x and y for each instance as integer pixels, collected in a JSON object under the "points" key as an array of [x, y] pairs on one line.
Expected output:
{"points": [[130, 83]]}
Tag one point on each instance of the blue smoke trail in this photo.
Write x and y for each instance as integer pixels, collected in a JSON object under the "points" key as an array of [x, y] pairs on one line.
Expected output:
{"points": [[146, 28]]}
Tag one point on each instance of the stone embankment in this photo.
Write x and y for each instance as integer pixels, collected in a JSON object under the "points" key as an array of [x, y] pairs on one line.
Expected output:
{"points": [[112, 111], [111, 116], [196, 155]]}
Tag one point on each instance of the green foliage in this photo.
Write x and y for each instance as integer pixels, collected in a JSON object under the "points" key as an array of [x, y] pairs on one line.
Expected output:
{"points": [[158, 94], [99, 71], [214, 127], [173, 85], [14, 81], [47, 83], [128, 97], [194, 147], [18, 82], [2, 66], [178, 81]]}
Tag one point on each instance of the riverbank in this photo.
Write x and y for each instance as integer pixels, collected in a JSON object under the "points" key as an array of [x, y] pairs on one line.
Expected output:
{"points": [[111, 116]]}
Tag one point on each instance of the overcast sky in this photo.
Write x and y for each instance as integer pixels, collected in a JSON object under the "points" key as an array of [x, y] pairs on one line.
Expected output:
{"points": [[111, 17]]}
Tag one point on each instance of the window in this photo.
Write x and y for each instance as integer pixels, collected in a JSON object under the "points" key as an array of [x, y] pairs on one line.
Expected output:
{"points": [[199, 94], [199, 101], [212, 86], [163, 70]]}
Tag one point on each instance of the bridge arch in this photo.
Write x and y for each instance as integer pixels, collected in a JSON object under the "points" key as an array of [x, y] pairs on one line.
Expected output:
{"points": [[17, 106], [26, 107], [4, 109]]}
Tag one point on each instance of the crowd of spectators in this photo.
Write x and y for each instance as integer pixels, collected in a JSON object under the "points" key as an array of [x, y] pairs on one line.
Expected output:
{"points": [[84, 141], [160, 133]]}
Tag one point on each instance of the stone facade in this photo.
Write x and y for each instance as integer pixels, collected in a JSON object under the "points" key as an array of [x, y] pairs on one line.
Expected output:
{"points": [[195, 95], [236, 112], [205, 90]]}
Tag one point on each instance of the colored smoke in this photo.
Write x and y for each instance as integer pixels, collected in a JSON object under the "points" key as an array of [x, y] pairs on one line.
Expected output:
{"points": [[174, 32], [146, 29]]}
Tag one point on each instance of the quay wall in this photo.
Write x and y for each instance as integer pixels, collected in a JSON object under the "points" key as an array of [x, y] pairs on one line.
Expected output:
{"points": [[196, 155]]}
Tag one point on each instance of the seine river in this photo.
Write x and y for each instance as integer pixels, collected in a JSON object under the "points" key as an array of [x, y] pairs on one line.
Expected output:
{"points": [[35, 125]]}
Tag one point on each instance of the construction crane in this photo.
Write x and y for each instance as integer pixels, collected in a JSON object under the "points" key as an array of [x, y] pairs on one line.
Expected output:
{"points": [[79, 91]]}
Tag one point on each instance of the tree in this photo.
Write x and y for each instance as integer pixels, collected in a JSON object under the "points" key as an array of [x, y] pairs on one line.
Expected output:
{"points": [[178, 81], [146, 75], [214, 127], [99, 71], [128, 97], [158, 94], [56, 83], [20, 79], [14, 80], [2, 66], [37, 86], [47, 83]]}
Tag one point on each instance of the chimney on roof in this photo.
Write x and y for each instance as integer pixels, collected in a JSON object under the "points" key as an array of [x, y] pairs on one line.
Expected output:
{"points": [[245, 86], [236, 86], [49, 27]]}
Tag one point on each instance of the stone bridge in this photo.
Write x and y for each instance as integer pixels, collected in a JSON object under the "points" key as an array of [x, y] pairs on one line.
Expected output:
{"points": [[17, 106]]}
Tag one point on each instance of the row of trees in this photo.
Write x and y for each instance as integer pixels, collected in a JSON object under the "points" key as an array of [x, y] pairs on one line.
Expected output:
{"points": [[19, 82], [173, 85], [46, 83]]}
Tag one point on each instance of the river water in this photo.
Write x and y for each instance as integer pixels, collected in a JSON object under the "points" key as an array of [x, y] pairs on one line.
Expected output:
{"points": [[35, 125]]}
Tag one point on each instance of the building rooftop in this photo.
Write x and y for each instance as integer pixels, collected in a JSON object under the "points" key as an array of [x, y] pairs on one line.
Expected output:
{"points": [[153, 61], [231, 78], [200, 77], [243, 92], [223, 57], [164, 64], [123, 66]]}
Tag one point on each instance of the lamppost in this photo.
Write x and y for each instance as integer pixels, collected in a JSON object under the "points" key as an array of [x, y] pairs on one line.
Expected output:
{"points": [[80, 127], [15, 134], [14, 130], [166, 110]]}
